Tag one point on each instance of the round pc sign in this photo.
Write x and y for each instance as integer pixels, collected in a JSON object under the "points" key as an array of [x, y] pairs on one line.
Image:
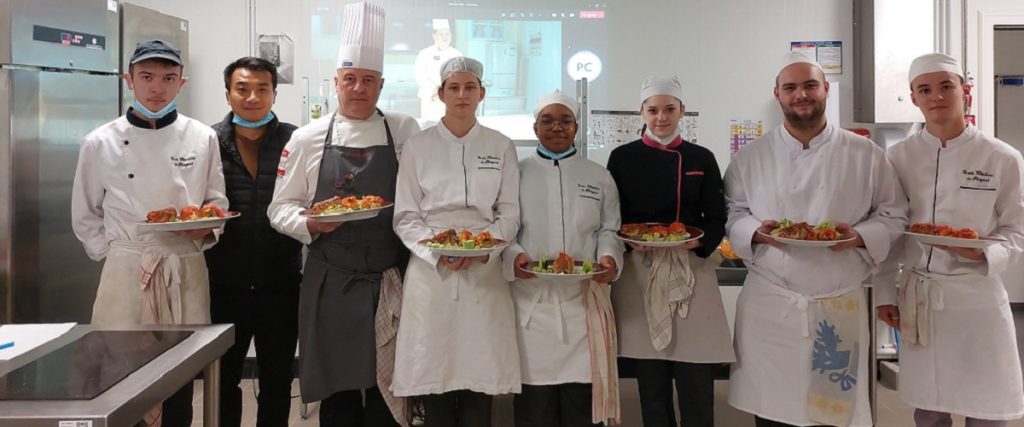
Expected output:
{"points": [[584, 64]]}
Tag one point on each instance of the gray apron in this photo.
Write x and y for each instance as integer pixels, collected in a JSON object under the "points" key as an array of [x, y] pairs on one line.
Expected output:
{"points": [[343, 271]]}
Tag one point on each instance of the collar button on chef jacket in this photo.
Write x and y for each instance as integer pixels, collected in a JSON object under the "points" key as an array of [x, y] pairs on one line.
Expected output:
{"points": [[131, 175], [126, 142]]}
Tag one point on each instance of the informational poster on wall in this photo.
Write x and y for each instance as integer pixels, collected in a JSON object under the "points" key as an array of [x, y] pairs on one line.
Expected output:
{"points": [[742, 132], [613, 128], [829, 54]]}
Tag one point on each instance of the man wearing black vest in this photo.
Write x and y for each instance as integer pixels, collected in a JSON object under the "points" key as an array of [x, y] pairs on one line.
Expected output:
{"points": [[254, 270]]}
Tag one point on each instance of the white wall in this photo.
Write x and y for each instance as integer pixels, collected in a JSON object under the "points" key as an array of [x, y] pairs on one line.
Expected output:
{"points": [[725, 53]]}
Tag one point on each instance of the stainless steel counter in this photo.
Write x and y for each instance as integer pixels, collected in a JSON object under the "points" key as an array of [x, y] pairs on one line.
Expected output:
{"points": [[126, 402]]}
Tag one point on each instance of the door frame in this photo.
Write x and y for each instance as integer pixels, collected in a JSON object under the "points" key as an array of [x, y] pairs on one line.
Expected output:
{"points": [[986, 87]]}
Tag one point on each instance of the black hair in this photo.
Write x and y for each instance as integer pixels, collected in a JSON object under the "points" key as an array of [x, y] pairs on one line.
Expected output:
{"points": [[162, 61], [250, 63]]}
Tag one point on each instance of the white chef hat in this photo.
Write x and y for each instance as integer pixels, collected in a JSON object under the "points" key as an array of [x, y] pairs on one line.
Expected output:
{"points": [[661, 85], [797, 57], [556, 97], [933, 63], [440, 24], [362, 38], [462, 63]]}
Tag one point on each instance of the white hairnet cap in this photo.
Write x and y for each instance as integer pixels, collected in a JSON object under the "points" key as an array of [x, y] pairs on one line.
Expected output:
{"points": [[556, 97], [661, 85], [933, 63], [362, 38], [462, 63], [797, 57], [440, 24]]}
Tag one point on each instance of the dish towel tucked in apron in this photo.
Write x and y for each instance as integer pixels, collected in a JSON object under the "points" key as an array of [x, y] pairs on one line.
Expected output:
{"points": [[601, 337], [668, 291], [832, 394], [386, 320], [915, 308], [160, 281]]}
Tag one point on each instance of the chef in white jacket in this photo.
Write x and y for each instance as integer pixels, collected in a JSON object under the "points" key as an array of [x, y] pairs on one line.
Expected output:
{"points": [[457, 339], [801, 323], [151, 158], [565, 329], [428, 67], [959, 350], [350, 293]]}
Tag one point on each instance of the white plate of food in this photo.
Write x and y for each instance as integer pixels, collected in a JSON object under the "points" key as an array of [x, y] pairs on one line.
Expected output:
{"points": [[958, 242], [350, 208], [658, 235], [563, 268], [190, 218], [805, 235], [463, 244]]}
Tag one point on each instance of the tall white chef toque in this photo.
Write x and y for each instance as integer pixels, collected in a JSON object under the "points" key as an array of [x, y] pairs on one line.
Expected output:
{"points": [[362, 38]]}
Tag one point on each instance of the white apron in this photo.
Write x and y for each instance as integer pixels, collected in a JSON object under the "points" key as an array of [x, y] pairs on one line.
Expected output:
{"points": [[701, 337], [775, 334], [458, 331], [175, 290], [552, 331], [970, 365]]}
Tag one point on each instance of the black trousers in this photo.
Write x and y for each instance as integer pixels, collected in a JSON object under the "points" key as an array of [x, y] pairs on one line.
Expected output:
{"points": [[762, 422], [459, 408], [694, 383], [177, 409], [350, 409], [271, 319], [560, 405]]}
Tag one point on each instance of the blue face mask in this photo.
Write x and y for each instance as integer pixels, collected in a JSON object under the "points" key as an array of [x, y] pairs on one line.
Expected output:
{"points": [[553, 155], [238, 120], [157, 115]]}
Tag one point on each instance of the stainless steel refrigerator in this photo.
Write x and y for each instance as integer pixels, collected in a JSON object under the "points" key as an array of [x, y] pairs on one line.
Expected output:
{"points": [[60, 65]]}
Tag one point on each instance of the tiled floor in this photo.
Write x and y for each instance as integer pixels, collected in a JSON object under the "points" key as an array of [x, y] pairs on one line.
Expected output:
{"points": [[891, 411]]}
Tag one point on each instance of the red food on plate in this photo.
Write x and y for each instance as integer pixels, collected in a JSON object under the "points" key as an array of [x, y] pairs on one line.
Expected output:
{"points": [[660, 229], [446, 237], [633, 231], [945, 231], [485, 240], [211, 211], [189, 213], [162, 215], [321, 206], [922, 228], [967, 233], [798, 231], [677, 228], [350, 202], [564, 263]]}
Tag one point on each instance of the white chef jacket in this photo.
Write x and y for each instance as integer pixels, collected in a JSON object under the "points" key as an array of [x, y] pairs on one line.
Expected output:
{"points": [[458, 327], [841, 177], [970, 365], [125, 171], [428, 68], [572, 206], [299, 168]]}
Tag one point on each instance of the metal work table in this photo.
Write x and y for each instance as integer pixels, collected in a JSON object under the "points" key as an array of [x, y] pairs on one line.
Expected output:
{"points": [[127, 401]]}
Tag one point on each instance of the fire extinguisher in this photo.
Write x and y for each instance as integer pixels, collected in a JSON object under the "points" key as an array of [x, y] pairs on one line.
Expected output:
{"points": [[968, 101]]}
